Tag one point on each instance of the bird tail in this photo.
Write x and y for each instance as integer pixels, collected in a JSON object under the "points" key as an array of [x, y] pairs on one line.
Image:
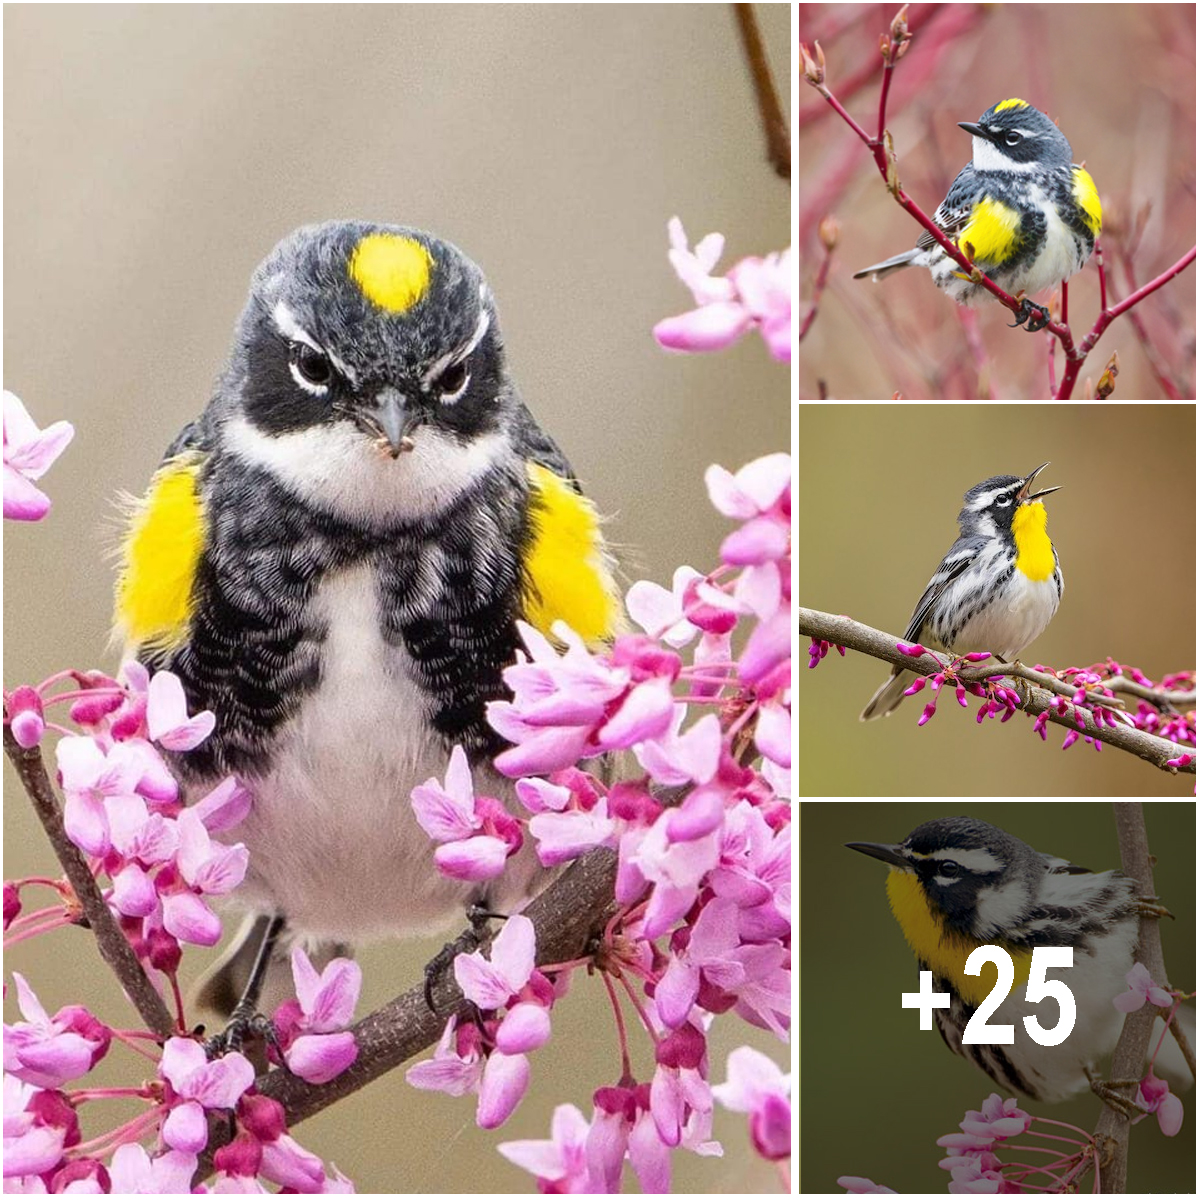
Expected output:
{"points": [[889, 695], [895, 263]]}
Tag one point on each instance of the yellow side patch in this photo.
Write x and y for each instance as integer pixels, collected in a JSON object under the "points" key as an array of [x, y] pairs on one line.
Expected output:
{"points": [[1013, 103], [392, 270], [992, 231], [159, 554], [568, 570], [1088, 199], [1035, 551], [942, 951]]}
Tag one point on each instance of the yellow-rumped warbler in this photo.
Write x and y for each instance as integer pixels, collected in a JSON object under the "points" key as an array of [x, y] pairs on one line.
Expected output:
{"points": [[957, 883], [333, 558], [1029, 215], [997, 587]]}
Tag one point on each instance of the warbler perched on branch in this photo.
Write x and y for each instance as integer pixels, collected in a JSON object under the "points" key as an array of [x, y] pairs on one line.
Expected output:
{"points": [[957, 883], [333, 559], [995, 590], [1024, 214]]}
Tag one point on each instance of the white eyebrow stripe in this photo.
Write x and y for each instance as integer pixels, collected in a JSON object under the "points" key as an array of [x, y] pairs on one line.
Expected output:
{"points": [[458, 355], [286, 323]]}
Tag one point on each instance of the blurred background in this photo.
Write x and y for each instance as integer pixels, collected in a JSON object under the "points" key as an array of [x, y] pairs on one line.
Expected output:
{"points": [[1137, 139], [877, 1091], [877, 511], [155, 154]]}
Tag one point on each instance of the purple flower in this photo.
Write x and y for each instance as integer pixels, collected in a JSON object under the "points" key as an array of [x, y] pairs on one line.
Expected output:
{"points": [[167, 716], [997, 1120], [207, 868], [559, 1163], [197, 1087], [90, 777], [28, 454], [1141, 988], [50, 1051], [25, 716], [757, 292], [1154, 1095], [756, 1086], [312, 1028], [133, 1172], [457, 1063], [490, 984]]}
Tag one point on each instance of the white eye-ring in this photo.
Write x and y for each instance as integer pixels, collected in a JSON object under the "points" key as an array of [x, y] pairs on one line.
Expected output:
{"points": [[453, 381], [310, 368], [1004, 502]]}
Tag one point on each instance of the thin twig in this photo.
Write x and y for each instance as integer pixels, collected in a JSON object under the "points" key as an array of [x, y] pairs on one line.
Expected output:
{"points": [[842, 631], [113, 945], [779, 144]]}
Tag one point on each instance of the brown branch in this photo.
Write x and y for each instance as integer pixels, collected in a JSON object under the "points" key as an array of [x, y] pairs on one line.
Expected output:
{"points": [[112, 943], [779, 144], [1129, 1058], [842, 631], [567, 917]]}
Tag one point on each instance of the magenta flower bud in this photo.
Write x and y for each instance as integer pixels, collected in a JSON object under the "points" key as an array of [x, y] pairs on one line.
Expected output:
{"points": [[927, 713], [262, 1117], [1071, 738], [1184, 760], [682, 1048], [91, 710], [961, 693], [525, 1027], [917, 685], [240, 1158], [12, 901], [913, 651], [25, 716], [977, 656]]}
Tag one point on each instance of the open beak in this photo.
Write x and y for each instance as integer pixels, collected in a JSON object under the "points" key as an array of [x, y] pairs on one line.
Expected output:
{"points": [[390, 421], [1024, 496], [888, 854]]}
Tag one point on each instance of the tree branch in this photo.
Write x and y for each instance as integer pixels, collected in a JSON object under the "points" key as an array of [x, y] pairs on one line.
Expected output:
{"points": [[842, 631], [1129, 1058], [779, 144], [113, 945], [567, 917]]}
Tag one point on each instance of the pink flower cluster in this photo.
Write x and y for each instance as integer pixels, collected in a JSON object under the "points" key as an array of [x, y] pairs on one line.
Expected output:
{"points": [[42, 1140], [702, 837], [29, 452], [755, 294]]}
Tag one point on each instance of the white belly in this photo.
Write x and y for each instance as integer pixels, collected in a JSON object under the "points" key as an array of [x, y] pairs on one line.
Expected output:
{"points": [[1008, 625], [333, 841]]}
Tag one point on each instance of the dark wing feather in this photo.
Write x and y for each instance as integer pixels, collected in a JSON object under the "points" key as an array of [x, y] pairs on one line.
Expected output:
{"points": [[958, 558]]}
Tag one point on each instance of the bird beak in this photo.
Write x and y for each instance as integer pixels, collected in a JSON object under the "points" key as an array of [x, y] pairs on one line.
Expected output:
{"points": [[888, 854], [1024, 496], [975, 130], [390, 421]]}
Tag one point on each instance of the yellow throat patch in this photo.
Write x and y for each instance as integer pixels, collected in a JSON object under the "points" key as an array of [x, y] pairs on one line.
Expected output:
{"points": [[568, 571], [1035, 551], [391, 270], [940, 950], [159, 554]]}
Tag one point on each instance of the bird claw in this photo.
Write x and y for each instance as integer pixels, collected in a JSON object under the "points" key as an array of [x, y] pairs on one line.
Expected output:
{"points": [[469, 940], [1036, 315]]}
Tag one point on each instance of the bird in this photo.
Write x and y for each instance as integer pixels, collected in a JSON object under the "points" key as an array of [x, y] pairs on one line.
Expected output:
{"points": [[957, 883], [995, 590], [334, 557], [1026, 216]]}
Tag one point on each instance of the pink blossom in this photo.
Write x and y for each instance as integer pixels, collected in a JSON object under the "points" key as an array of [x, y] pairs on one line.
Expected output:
{"points": [[209, 868], [312, 1028], [1154, 1095], [560, 1163], [29, 453], [167, 716], [856, 1185], [50, 1051], [756, 293], [25, 716], [661, 613], [675, 869], [457, 1063], [503, 1086], [90, 776], [490, 984], [133, 1172], [1141, 988], [756, 1086], [199, 1086]]}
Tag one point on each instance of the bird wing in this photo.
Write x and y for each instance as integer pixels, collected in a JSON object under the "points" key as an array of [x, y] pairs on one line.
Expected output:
{"points": [[959, 557], [160, 549], [953, 214]]}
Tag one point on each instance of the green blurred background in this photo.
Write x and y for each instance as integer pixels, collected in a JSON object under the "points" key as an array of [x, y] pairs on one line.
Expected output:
{"points": [[877, 1091], [880, 487], [155, 153], [1137, 139]]}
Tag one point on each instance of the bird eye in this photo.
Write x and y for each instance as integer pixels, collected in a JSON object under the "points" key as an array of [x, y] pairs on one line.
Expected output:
{"points": [[311, 369], [452, 382], [1012, 137], [949, 868], [1004, 502]]}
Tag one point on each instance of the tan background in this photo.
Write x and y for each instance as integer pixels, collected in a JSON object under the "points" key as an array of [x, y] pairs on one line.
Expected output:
{"points": [[877, 506], [153, 155], [1137, 139]]}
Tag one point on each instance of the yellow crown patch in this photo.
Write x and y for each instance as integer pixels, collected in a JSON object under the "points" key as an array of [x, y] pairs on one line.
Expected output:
{"points": [[392, 271], [1013, 103]]}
